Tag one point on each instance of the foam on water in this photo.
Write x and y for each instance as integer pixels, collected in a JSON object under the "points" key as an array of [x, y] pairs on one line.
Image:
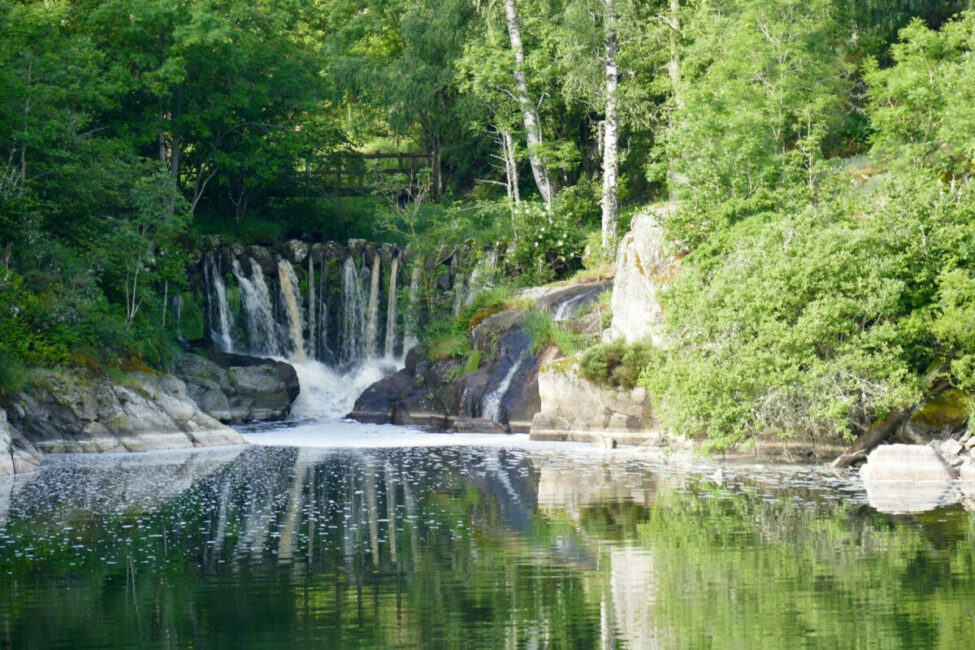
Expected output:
{"points": [[327, 393], [345, 434]]}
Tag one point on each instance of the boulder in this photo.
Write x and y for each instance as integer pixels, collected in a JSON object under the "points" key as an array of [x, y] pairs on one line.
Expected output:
{"points": [[76, 414], [17, 454], [906, 463], [644, 268], [938, 418], [907, 479], [565, 303], [375, 404], [295, 250], [264, 258], [239, 388], [575, 408]]}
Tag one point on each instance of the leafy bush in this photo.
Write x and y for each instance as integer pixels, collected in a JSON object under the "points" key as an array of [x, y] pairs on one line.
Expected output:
{"points": [[817, 320], [616, 363], [548, 245]]}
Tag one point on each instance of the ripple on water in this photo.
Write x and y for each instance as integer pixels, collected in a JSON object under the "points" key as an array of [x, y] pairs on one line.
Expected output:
{"points": [[433, 544]]}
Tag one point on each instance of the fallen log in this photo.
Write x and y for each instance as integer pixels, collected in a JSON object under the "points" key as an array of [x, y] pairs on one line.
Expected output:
{"points": [[870, 438]]}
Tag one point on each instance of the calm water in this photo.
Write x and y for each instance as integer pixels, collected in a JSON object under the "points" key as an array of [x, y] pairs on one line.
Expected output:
{"points": [[531, 547]]}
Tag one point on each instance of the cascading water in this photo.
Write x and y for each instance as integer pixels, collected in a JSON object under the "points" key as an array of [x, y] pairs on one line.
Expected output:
{"points": [[338, 321], [480, 277], [261, 330], [290, 296], [491, 402], [217, 296], [372, 318], [409, 335], [353, 313], [391, 310], [312, 311]]}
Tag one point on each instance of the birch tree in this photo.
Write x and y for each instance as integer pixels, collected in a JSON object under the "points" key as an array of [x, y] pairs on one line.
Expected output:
{"points": [[529, 110]]}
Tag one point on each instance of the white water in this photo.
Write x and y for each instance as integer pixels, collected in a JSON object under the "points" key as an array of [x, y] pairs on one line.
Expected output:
{"points": [[353, 316], [409, 335], [326, 393], [480, 277], [256, 300], [214, 280], [372, 318], [391, 309], [289, 297], [567, 309], [312, 313], [344, 434], [491, 403]]}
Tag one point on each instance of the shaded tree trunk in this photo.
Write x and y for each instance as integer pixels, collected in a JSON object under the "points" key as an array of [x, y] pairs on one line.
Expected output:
{"points": [[533, 129]]}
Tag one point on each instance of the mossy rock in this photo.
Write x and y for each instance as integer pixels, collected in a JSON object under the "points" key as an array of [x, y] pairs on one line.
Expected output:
{"points": [[946, 409]]}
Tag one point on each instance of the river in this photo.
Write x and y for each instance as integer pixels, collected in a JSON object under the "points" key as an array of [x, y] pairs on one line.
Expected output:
{"points": [[332, 534]]}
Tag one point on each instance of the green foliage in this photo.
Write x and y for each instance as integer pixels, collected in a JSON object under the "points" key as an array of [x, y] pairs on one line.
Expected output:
{"points": [[815, 322], [545, 332], [616, 363], [921, 108], [547, 245]]}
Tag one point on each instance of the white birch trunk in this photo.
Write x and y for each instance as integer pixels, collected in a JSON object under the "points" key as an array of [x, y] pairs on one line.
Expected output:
{"points": [[610, 127], [533, 129]]}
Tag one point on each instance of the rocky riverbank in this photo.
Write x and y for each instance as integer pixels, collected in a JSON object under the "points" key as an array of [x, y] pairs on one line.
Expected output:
{"points": [[75, 413]]}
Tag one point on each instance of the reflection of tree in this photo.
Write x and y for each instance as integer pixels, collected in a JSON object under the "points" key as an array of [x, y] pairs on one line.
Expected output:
{"points": [[402, 548]]}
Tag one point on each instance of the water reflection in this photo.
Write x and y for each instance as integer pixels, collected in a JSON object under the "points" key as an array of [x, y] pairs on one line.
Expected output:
{"points": [[273, 547]]}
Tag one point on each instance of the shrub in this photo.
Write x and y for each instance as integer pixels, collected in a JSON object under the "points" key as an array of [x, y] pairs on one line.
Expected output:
{"points": [[616, 363]]}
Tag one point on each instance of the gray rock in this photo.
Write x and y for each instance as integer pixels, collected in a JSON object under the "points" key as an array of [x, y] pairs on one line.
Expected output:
{"points": [[478, 425], [950, 447], [75, 414], [239, 388], [574, 408], [644, 268], [17, 454], [910, 463], [566, 302], [295, 251]]}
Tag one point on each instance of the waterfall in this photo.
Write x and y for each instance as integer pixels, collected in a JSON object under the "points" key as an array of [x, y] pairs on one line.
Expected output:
{"points": [[458, 289], [352, 313], [261, 330], [409, 335], [312, 338], [324, 352], [289, 296], [480, 277], [217, 296], [391, 310], [373, 313], [491, 402]]}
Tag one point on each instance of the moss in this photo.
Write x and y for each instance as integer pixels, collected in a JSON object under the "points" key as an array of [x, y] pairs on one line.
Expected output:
{"points": [[947, 408], [481, 314]]}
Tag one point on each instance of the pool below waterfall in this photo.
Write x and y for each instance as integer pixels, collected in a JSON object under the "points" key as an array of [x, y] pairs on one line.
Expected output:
{"points": [[333, 534]]}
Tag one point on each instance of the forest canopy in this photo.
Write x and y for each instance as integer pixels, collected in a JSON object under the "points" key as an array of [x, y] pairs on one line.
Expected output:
{"points": [[821, 154]]}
